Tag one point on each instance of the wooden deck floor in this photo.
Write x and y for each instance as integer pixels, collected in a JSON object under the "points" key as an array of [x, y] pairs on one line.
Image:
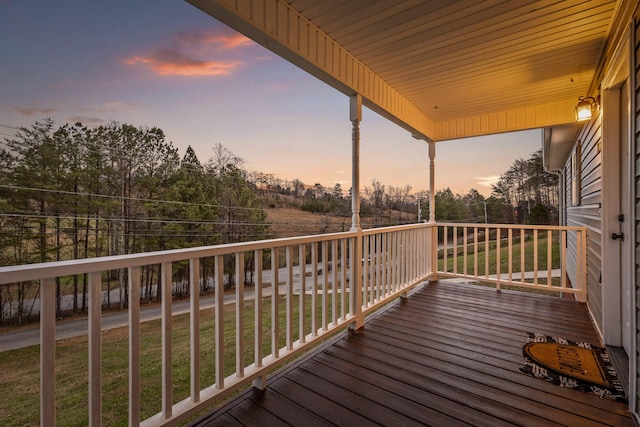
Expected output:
{"points": [[449, 355]]}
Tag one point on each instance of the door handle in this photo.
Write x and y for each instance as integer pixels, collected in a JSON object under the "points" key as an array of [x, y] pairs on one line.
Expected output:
{"points": [[615, 236]]}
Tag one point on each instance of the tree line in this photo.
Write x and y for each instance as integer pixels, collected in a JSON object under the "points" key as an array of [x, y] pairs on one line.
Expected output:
{"points": [[380, 204], [524, 194], [77, 192], [73, 191]]}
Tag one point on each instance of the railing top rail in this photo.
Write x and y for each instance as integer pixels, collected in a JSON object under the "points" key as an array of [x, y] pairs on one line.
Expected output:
{"points": [[513, 226], [19, 273], [393, 228]]}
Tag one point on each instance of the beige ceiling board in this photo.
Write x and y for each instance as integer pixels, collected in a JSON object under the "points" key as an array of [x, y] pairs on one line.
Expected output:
{"points": [[482, 35], [515, 119], [521, 62], [282, 29], [450, 29], [507, 50], [440, 68], [368, 17]]}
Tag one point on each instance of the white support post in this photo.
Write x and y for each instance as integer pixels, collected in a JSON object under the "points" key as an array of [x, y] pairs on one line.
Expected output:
{"points": [[275, 303], [240, 344], [432, 182], [432, 210], [219, 321], [302, 254], [314, 287], [134, 346], [48, 352], [194, 322], [355, 115], [325, 285], [167, 371], [260, 382], [582, 278], [334, 286], [289, 299], [95, 350]]}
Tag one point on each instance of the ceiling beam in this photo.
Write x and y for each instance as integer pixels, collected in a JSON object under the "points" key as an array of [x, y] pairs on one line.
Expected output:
{"points": [[530, 117]]}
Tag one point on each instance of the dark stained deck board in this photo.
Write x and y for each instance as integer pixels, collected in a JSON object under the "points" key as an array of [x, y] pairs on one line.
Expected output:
{"points": [[478, 364], [448, 355], [247, 413], [381, 390], [620, 361]]}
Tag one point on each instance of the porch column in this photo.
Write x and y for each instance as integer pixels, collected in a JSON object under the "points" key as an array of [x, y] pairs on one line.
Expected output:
{"points": [[355, 114], [432, 212], [432, 182]]}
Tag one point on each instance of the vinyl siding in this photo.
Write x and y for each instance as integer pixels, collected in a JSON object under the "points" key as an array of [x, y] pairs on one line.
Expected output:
{"points": [[636, 189], [587, 212]]}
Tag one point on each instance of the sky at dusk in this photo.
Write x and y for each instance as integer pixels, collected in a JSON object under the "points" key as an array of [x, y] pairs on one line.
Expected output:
{"points": [[165, 63]]}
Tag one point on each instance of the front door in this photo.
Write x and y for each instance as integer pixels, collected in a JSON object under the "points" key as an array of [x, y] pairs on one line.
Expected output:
{"points": [[625, 220]]}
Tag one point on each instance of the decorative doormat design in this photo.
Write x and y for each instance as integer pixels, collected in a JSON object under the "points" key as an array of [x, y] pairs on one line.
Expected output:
{"points": [[576, 365]]}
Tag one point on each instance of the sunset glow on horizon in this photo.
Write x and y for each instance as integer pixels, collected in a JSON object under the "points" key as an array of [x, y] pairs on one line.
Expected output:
{"points": [[169, 65]]}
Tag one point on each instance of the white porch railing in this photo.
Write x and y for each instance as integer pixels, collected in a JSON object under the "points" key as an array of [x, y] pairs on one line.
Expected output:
{"points": [[311, 277], [312, 274], [549, 258]]}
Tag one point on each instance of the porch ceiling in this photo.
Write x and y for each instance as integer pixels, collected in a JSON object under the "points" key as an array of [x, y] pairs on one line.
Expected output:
{"points": [[463, 67]]}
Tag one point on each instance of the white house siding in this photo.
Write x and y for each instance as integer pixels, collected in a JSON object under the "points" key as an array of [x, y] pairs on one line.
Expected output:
{"points": [[585, 209]]}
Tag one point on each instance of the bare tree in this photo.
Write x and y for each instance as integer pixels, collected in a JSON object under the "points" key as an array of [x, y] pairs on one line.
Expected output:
{"points": [[223, 157], [376, 195]]}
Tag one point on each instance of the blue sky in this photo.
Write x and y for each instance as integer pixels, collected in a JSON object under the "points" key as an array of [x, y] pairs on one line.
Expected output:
{"points": [[165, 63]]}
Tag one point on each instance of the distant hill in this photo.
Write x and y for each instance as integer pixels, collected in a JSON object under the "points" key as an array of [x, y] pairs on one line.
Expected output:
{"points": [[291, 222], [317, 210]]}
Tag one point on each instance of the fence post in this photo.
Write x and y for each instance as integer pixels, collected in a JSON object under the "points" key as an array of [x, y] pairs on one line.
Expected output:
{"points": [[356, 281], [583, 265], [433, 233], [48, 352]]}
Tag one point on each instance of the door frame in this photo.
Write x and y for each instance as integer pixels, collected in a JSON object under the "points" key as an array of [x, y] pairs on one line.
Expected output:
{"points": [[619, 71], [611, 200]]}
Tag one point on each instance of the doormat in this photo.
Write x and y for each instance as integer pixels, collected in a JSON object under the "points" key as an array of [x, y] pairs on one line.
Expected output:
{"points": [[576, 365]]}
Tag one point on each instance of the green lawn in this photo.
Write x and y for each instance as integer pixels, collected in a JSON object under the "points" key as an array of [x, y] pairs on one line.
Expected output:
{"points": [[20, 368], [517, 254]]}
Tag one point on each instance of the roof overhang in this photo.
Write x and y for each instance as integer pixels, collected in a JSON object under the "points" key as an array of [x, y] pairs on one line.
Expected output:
{"points": [[556, 145], [440, 69]]}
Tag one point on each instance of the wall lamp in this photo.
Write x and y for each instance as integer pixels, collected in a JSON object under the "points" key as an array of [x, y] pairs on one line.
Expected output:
{"points": [[587, 105]]}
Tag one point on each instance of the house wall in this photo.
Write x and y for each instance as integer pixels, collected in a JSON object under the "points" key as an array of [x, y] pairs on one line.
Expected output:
{"points": [[591, 196], [583, 198], [635, 188]]}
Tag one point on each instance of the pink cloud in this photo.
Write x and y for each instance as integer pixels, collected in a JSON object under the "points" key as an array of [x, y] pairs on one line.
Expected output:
{"points": [[196, 53], [30, 112], [216, 39], [118, 105], [171, 63]]}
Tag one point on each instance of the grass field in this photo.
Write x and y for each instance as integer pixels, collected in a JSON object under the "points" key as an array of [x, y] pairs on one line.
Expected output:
{"points": [[517, 253], [20, 368]]}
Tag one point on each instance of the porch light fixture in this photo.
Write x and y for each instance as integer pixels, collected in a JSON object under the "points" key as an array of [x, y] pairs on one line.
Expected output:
{"points": [[587, 105]]}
